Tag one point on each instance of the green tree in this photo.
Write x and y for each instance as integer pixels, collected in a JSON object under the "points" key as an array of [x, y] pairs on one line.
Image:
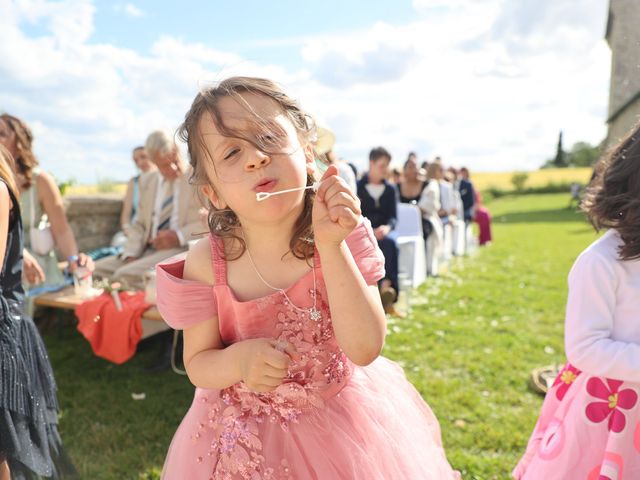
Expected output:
{"points": [[518, 180], [583, 154], [560, 161]]}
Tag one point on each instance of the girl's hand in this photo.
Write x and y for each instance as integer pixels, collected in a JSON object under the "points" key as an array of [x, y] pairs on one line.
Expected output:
{"points": [[265, 363], [336, 209]]}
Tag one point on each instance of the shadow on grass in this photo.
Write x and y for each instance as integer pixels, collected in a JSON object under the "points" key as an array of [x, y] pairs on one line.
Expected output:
{"points": [[562, 215]]}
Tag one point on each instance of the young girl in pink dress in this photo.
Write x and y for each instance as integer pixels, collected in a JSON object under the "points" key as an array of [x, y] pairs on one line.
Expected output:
{"points": [[589, 427], [281, 315]]}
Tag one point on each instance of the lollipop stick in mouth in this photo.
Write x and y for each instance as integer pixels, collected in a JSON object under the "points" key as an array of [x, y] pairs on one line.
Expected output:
{"points": [[260, 196]]}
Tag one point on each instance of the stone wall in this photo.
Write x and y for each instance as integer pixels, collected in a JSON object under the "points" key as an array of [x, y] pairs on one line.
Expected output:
{"points": [[623, 36], [93, 219], [623, 123]]}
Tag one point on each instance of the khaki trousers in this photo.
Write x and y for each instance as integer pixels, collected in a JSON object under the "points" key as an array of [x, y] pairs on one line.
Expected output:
{"points": [[132, 273]]}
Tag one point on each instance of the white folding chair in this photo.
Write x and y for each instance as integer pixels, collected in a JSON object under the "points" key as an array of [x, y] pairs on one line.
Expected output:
{"points": [[459, 239], [412, 261], [447, 243]]}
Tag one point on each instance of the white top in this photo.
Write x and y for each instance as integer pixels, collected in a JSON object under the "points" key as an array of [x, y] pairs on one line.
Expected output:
{"points": [[447, 198], [173, 222], [602, 329], [429, 201], [375, 190]]}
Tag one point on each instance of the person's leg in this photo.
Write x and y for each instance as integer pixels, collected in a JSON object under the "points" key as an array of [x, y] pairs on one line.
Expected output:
{"points": [[389, 284], [106, 267], [133, 273], [390, 251], [5, 473]]}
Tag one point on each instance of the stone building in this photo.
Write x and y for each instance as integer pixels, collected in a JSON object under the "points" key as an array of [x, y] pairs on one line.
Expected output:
{"points": [[623, 37]]}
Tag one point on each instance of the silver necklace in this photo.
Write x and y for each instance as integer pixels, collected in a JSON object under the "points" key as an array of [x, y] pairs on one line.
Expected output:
{"points": [[313, 312]]}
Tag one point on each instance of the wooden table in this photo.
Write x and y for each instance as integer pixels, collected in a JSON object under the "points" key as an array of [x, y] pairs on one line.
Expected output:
{"points": [[66, 299]]}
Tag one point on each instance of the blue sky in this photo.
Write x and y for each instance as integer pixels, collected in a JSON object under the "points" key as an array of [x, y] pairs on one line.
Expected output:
{"points": [[484, 83]]}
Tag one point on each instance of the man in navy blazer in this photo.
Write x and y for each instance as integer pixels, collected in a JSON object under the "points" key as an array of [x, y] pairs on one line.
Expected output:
{"points": [[467, 194], [379, 200]]}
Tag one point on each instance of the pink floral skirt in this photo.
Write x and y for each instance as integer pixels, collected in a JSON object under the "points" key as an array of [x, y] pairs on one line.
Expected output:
{"points": [[376, 428], [589, 429]]}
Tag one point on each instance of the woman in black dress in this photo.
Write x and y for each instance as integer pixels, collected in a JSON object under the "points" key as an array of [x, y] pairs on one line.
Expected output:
{"points": [[30, 446], [411, 187]]}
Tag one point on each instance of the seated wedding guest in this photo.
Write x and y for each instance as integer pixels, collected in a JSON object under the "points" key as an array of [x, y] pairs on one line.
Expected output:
{"points": [[379, 204], [467, 193], [448, 211], [447, 198], [167, 218], [458, 230], [411, 188], [131, 202], [44, 220], [431, 208], [483, 219], [130, 206]]}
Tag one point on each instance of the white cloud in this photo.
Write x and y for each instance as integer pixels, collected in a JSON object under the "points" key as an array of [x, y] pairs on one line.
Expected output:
{"points": [[133, 11], [484, 83]]}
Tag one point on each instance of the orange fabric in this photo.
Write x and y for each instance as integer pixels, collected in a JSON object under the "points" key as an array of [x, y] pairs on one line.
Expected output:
{"points": [[113, 335]]}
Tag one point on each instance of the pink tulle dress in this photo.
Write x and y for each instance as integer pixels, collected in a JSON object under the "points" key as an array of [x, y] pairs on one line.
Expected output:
{"points": [[329, 420]]}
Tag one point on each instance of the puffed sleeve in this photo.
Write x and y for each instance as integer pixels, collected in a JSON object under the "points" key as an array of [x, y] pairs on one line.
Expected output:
{"points": [[593, 283], [364, 248], [182, 303]]}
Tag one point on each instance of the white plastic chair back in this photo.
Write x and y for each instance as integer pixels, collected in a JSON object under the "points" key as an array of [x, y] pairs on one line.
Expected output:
{"points": [[412, 261]]}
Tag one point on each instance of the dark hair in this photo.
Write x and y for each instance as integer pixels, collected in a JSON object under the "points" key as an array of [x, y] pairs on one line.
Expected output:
{"points": [[408, 160], [377, 153], [140, 147], [7, 170], [25, 159], [412, 154], [224, 222], [612, 199]]}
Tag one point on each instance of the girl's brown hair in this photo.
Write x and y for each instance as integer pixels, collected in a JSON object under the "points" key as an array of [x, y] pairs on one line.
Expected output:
{"points": [[612, 199], [7, 170], [224, 222], [25, 159]]}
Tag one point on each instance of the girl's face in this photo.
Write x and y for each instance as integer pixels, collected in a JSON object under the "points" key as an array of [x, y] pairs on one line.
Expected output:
{"points": [[237, 169], [8, 138]]}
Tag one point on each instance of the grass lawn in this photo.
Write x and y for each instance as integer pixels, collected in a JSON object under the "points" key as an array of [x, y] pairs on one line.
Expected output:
{"points": [[468, 346]]}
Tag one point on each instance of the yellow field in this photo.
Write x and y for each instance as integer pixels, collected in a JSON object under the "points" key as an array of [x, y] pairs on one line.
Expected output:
{"points": [[537, 178]]}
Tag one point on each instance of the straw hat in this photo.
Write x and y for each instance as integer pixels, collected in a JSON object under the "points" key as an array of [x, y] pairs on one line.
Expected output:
{"points": [[326, 140]]}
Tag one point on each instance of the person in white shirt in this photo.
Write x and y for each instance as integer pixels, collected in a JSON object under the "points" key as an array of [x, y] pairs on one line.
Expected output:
{"points": [[431, 208], [168, 215], [589, 426]]}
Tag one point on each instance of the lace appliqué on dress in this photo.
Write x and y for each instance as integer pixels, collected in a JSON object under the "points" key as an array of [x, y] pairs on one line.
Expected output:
{"points": [[236, 415]]}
